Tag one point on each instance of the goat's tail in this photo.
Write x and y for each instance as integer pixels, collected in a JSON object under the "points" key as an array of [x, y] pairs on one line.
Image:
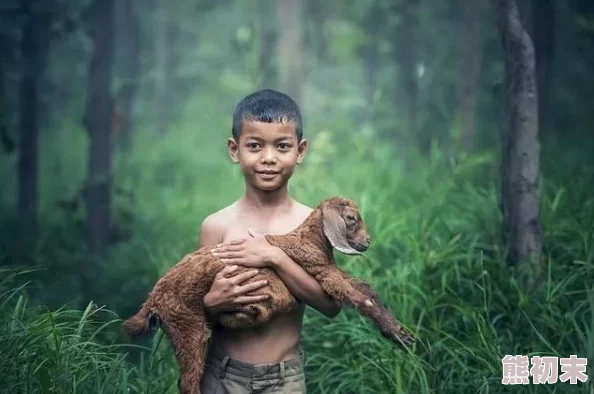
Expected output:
{"points": [[140, 324]]}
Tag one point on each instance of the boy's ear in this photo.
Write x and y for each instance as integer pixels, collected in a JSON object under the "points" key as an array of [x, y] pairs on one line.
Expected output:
{"points": [[233, 149], [301, 149]]}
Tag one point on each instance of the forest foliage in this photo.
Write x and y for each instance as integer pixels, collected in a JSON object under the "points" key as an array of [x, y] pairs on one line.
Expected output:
{"points": [[429, 195]]}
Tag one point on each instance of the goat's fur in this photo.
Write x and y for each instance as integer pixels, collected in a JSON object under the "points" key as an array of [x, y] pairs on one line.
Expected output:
{"points": [[176, 302]]}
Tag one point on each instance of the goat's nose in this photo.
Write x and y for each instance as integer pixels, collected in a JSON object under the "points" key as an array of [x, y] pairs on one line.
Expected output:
{"points": [[368, 240]]}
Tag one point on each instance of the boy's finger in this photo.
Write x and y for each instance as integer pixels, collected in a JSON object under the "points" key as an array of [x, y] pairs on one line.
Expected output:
{"points": [[251, 299], [230, 243], [240, 278], [228, 269], [223, 249], [252, 286], [229, 255], [253, 233]]}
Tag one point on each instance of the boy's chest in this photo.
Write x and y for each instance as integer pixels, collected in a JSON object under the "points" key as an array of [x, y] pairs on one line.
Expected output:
{"points": [[239, 229]]}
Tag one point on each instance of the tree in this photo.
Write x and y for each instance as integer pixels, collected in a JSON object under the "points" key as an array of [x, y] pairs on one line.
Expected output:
{"points": [[290, 48], [406, 58], [520, 145], [34, 49], [470, 63], [544, 37], [371, 57], [98, 122], [7, 144], [129, 30], [267, 39], [166, 59]]}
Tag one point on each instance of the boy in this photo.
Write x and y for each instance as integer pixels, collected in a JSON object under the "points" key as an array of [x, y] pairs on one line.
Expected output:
{"points": [[267, 143]]}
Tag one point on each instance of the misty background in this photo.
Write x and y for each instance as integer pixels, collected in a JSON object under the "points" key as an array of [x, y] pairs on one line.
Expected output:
{"points": [[114, 116]]}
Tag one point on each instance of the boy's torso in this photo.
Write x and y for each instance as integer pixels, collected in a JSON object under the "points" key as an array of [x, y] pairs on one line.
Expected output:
{"points": [[279, 339]]}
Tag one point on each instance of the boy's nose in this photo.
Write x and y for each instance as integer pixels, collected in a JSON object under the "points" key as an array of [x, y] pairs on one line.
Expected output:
{"points": [[268, 156], [268, 160]]}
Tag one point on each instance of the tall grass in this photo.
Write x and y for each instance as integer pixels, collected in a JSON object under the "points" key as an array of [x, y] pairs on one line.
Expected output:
{"points": [[436, 260]]}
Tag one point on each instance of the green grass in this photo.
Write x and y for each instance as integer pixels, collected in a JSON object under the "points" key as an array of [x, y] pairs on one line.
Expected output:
{"points": [[436, 260]]}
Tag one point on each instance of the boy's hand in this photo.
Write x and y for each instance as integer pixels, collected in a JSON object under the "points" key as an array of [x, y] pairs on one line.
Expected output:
{"points": [[227, 291], [253, 251]]}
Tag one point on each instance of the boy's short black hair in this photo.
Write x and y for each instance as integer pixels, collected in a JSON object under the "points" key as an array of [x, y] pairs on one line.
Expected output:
{"points": [[267, 106]]}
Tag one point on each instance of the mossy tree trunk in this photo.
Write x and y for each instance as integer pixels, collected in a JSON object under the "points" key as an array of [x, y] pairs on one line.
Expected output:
{"points": [[470, 63], [98, 122], [290, 48], [129, 31], [34, 49], [267, 75], [544, 46], [406, 58], [520, 144]]}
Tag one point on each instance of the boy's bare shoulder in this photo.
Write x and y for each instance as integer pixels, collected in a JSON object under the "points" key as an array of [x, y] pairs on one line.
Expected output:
{"points": [[302, 211], [214, 226]]}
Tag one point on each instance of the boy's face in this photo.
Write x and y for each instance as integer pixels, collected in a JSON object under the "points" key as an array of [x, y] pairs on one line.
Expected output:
{"points": [[267, 153]]}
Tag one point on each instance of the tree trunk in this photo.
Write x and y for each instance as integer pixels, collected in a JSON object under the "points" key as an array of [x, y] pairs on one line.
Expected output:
{"points": [[6, 142], [98, 119], [34, 47], [371, 56], [166, 61], [290, 48], [318, 12], [470, 63], [520, 145], [267, 73], [544, 33], [315, 15], [407, 95], [129, 31]]}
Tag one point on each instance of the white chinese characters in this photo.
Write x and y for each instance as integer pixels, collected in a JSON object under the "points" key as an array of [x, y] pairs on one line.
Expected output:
{"points": [[544, 370]]}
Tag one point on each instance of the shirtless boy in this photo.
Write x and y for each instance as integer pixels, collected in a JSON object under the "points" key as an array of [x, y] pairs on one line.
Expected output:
{"points": [[267, 143]]}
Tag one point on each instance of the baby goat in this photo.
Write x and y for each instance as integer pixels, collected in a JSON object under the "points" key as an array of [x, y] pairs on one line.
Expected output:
{"points": [[176, 301]]}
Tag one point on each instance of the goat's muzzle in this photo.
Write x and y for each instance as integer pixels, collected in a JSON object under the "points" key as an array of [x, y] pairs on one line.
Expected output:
{"points": [[362, 246]]}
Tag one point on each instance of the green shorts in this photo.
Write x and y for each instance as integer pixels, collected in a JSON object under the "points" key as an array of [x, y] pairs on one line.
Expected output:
{"points": [[224, 375]]}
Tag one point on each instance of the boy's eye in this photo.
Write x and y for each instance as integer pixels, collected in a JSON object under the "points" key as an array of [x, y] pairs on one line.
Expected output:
{"points": [[284, 145], [252, 145]]}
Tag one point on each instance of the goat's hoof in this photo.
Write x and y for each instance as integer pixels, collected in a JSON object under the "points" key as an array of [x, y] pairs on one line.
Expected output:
{"points": [[408, 340], [402, 338], [252, 310]]}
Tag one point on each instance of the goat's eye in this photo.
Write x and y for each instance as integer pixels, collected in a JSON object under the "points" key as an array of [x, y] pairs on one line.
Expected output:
{"points": [[351, 218]]}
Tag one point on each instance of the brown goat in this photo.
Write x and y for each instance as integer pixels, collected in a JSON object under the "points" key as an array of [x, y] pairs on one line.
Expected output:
{"points": [[176, 301]]}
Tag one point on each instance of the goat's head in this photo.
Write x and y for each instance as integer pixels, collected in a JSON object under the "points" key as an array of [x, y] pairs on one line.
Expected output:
{"points": [[344, 227]]}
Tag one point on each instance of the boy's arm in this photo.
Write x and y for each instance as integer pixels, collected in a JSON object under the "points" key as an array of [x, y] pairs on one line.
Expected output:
{"points": [[255, 251], [304, 286], [227, 293], [209, 236]]}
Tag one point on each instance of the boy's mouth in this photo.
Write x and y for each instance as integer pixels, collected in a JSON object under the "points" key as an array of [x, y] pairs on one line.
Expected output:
{"points": [[267, 174]]}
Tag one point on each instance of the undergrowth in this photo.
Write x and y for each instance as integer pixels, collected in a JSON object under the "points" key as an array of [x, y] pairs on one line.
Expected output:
{"points": [[437, 261]]}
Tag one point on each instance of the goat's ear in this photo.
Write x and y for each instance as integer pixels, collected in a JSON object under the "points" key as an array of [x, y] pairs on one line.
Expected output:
{"points": [[335, 231]]}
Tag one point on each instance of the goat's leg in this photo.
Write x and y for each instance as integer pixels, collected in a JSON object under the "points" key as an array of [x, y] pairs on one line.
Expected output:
{"points": [[342, 287], [366, 301], [189, 339]]}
